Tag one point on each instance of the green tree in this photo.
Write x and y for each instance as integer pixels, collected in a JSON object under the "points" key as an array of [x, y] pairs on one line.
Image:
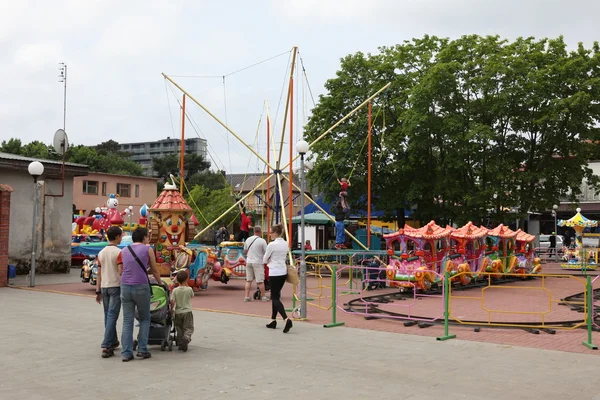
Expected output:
{"points": [[211, 204], [169, 164], [471, 124], [208, 179], [12, 146]]}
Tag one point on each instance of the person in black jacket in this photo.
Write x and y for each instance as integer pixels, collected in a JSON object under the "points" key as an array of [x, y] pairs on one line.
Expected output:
{"points": [[340, 216]]}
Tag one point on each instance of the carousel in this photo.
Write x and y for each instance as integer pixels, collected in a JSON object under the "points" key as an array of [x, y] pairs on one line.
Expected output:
{"points": [[579, 257]]}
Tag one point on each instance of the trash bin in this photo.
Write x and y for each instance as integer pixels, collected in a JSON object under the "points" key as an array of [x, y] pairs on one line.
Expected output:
{"points": [[12, 274]]}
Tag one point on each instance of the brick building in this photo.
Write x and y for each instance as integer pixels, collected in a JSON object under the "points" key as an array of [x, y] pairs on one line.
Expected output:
{"points": [[92, 191]]}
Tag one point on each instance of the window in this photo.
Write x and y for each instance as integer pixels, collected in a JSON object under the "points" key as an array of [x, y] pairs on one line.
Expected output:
{"points": [[124, 189], [90, 187], [103, 188], [137, 190]]}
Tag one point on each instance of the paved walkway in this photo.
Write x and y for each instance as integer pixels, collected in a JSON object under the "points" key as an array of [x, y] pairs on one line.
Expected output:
{"points": [[50, 350]]}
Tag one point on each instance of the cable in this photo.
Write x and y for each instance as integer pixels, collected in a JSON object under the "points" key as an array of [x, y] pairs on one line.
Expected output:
{"points": [[306, 76], [226, 123]]}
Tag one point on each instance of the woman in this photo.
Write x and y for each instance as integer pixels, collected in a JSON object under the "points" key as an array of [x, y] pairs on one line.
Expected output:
{"points": [[133, 262], [275, 257]]}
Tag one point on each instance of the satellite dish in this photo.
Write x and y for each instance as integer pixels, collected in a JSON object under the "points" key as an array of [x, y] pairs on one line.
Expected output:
{"points": [[60, 142]]}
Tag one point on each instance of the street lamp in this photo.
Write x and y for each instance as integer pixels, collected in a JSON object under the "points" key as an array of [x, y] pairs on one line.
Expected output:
{"points": [[302, 149], [36, 169], [554, 208]]}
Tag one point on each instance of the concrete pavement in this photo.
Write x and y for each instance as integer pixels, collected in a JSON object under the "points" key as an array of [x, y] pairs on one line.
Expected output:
{"points": [[50, 350]]}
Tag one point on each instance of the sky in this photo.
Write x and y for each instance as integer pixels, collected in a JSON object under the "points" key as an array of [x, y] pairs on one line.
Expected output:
{"points": [[116, 50]]}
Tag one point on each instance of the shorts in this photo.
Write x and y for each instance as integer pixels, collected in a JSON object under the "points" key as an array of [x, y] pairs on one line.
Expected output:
{"points": [[255, 271]]}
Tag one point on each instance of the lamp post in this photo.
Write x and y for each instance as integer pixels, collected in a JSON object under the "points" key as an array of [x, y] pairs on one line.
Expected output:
{"points": [[36, 169], [302, 149], [554, 208]]}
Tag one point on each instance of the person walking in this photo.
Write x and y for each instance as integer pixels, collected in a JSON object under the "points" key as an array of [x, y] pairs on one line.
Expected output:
{"points": [[254, 249], [275, 258], [108, 289], [133, 262]]}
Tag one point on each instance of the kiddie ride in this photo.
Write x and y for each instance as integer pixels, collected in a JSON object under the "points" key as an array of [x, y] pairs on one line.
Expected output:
{"points": [[89, 271], [578, 257], [204, 264], [428, 252]]}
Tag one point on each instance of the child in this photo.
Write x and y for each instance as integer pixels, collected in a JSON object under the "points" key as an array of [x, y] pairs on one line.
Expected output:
{"points": [[344, 183], [182, 304], [307, 246]]}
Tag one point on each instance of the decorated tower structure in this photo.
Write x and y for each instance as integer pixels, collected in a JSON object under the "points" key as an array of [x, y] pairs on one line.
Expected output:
{"points": [[170, 226]]}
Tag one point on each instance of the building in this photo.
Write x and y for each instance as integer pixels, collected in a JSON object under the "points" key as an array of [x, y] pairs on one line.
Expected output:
{"points": [[55, 200], [144, 152], [92, 191], [243, 184]]}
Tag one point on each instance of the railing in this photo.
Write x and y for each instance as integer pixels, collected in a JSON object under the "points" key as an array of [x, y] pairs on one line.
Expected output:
{"points": [[401, 295]]}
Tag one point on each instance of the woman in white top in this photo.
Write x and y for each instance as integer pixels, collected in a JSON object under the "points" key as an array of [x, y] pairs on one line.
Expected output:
{"points": [[275, 258]]}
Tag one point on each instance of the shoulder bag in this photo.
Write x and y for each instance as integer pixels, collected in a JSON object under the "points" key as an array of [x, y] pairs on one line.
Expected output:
{"points": [[141, 266]]}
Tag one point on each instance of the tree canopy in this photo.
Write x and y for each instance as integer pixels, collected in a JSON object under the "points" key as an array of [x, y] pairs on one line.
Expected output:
{"points": [[169, 164], [469, 127]]}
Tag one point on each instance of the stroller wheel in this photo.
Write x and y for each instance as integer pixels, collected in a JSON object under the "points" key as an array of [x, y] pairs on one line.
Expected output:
{"points": [[163, 345], [171, 344], [135, 343]]}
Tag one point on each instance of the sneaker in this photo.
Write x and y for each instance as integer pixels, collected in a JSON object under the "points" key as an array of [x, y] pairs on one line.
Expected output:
{"points": [[265, 298], [184, 344], [106, 353], [143, 355], [247, 299]]}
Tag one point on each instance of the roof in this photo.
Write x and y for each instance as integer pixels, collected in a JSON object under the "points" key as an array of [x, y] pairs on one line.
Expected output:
{"points": [[578, 220], [128, 176], [52, 168], [524, 236], [170, 199], [9, 156], [247, 182]]}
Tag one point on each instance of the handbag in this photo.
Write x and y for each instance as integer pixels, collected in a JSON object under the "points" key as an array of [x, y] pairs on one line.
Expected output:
{"points": [[292, 276], [141, 266]]}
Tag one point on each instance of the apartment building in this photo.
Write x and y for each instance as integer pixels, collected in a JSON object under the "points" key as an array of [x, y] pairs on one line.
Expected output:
{"points": [[144, 152]]}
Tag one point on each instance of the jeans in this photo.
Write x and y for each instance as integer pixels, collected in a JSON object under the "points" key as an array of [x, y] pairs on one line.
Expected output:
{"points": [[340, 236], [111, 300], [133, 296]]}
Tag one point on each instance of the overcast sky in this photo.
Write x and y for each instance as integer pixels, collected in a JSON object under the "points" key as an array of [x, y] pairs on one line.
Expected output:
{"points": [[116, 51]]}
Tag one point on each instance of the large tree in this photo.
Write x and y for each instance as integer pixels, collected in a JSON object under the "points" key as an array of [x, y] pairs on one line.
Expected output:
{"points": [[468, 126], [169, 164]]}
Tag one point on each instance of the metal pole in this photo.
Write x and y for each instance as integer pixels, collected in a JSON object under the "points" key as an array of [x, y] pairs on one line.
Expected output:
{"points": [[556, 237], [33, 235], [65, 102], [302, 239]]}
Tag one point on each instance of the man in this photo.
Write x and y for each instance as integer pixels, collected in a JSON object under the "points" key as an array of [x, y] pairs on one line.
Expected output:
{"points": [[553, 243], [108, 289], [254, 249], [340, 216], [221, 235]]}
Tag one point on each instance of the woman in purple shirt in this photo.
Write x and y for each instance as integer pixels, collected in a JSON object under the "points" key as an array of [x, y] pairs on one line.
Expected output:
{"points": [[133, 263]]}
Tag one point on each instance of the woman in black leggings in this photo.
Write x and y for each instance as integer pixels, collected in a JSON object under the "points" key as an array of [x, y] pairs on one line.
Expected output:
{"points": [[275, 258]]}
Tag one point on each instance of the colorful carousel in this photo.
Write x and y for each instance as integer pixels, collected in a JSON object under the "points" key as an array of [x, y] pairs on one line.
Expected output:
{"points": [[579, 257]]}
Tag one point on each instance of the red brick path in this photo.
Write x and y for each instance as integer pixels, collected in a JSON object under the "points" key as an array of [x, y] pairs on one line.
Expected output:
{"points": [[528, 296]]}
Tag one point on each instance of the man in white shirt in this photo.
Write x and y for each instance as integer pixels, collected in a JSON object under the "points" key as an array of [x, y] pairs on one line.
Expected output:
{"points": [[108, 289], [254, 249]]}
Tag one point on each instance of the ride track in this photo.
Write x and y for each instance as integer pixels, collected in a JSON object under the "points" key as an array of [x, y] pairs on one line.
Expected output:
{"points": [[360, 304]]}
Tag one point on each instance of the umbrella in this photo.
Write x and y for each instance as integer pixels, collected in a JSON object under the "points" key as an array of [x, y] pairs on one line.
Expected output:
{"points": [[315, 218]]}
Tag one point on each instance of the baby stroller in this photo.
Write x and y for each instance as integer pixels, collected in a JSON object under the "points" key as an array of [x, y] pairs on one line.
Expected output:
{"points": [[162, 331]]}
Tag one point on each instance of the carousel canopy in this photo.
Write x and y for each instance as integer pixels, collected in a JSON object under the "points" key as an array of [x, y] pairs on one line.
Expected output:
{"points": [[524, 236], [578, 221], [431, 231], [503, 232], [469, 232]]}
